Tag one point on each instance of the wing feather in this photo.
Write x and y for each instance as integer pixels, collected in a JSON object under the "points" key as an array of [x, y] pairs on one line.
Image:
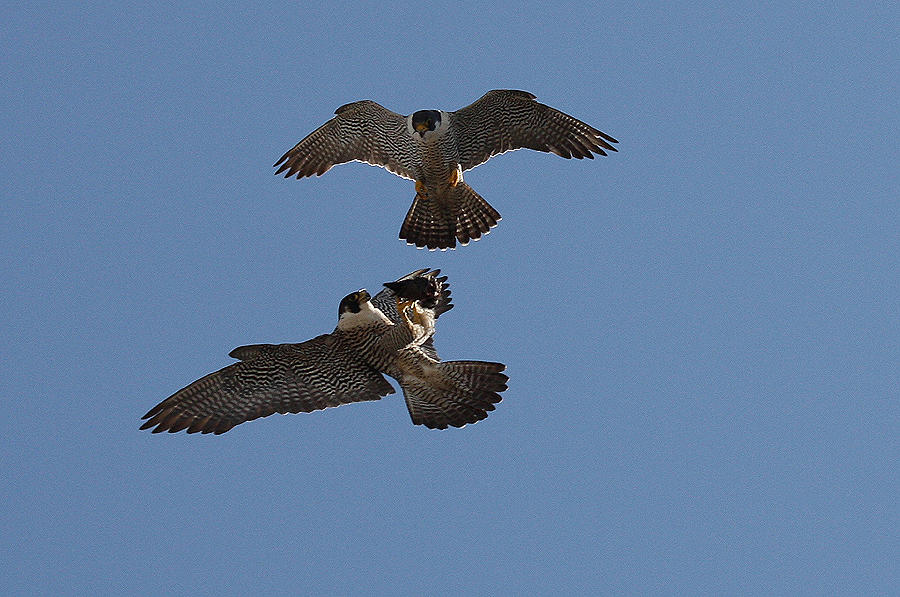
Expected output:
{"points": [[283, 378], [457, 393], [504, 120], [363, 131]]}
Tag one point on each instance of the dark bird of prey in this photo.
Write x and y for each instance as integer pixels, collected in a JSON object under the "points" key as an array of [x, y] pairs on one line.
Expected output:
{"points": [[391, 333], [434, 148]]}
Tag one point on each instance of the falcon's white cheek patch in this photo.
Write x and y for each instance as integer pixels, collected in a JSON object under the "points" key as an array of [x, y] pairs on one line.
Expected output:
{"points": [[444, 125], [367, 316]]}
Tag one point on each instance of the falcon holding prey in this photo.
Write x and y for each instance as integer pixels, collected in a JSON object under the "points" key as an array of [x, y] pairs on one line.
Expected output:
{"points": [[391, 334]]}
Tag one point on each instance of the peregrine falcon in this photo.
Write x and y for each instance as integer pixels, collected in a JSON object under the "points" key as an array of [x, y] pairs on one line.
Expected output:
{"points": [[434, 148], [391, 333]]}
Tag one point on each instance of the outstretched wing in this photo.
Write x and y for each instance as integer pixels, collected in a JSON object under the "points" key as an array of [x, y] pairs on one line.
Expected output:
{"points": [[282, 378], [504, 120], [362, 131]]}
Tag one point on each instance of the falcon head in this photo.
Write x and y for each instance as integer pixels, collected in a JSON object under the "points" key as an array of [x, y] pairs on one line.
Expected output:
{"points": [[353, 302], [426, 120], [356, 309]]}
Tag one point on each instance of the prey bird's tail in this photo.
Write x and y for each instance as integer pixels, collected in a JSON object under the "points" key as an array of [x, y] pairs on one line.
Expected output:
{"points": [[454, 393], [439, 220]]}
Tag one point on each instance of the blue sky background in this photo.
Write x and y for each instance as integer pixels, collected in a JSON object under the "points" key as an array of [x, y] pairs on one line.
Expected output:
{"points": [[701, 331]]}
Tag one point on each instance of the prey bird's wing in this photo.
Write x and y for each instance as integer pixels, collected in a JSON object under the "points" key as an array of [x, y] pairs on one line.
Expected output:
{"points": [[503, 120], [282, 378], [362, 131], [386, 302], [386, 299]]}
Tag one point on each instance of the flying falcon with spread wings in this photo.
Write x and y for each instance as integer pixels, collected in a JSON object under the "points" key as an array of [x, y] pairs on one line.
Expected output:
{"points": [[434, 148], [391, 333]]}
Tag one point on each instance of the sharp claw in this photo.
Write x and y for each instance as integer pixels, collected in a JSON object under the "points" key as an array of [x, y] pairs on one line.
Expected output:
{"points": [[456, 177]]}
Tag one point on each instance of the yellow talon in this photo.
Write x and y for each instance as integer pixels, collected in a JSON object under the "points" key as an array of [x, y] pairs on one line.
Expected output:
{"points": [[456, 177]]}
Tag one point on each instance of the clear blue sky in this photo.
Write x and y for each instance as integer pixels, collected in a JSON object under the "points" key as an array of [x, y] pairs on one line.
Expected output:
{"points": [[702, 331]]}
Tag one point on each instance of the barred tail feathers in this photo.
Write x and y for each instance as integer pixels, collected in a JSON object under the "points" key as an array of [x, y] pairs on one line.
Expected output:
{"points": [[475, 216], [426, 225], [457, 393], [439, 220]]}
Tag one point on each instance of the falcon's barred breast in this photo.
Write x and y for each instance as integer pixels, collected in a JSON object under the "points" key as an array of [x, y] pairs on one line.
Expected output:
{"points": [[434, 148], [391, 334]]}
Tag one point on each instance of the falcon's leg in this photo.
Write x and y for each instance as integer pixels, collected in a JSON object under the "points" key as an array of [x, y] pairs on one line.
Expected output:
{"points": [[402, 306], [456, 176], [409, 315]]}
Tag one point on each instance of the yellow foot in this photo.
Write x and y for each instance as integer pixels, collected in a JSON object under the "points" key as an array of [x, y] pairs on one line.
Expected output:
{"points": [[421, 190], [456, 176], [402, 306]]}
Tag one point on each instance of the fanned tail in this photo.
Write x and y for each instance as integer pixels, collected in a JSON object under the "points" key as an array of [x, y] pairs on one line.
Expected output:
{"points": [[438, 221], [459, 392], [427, 225], [475, 216]]}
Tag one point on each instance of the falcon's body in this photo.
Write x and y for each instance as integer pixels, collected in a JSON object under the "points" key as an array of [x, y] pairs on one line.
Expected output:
{"points": [[373, 336], [434, 148]]}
